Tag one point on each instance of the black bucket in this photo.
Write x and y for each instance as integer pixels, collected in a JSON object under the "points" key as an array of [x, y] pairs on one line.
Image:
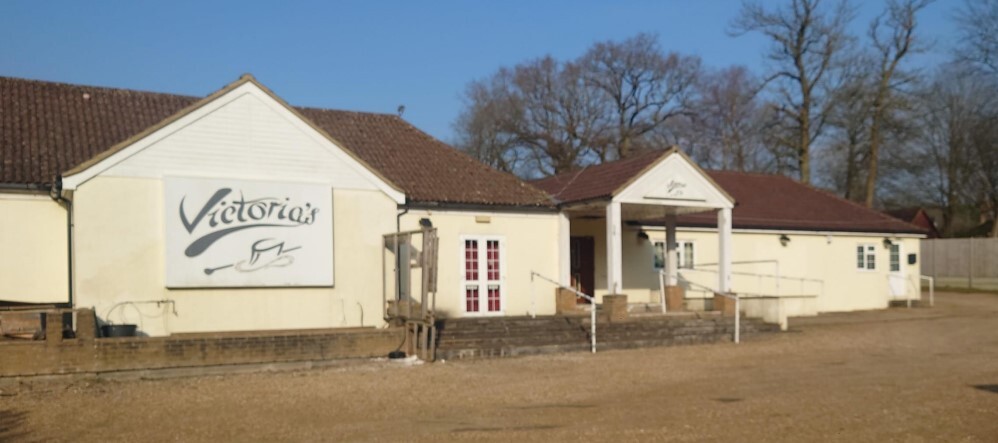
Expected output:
{"points": [[118, 330]]}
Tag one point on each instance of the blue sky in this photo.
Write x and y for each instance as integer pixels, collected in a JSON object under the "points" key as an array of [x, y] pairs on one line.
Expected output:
{"points": [[362, 55]]}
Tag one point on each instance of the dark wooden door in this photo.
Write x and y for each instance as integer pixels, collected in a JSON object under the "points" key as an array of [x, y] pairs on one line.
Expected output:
{"points": [[583, 265]]}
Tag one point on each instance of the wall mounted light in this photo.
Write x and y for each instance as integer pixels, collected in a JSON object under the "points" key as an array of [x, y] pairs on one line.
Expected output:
{"points": [[888, 243], [425, 222], [784, 240], [642, 235]]}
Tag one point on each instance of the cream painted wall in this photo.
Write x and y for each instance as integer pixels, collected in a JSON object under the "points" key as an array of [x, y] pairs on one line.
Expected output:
{"points": [[531, 242], [119, 252], [829, 258], [33, 265]]}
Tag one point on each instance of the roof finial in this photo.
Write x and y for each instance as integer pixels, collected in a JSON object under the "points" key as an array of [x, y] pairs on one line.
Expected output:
{"points": [[401, 110]]}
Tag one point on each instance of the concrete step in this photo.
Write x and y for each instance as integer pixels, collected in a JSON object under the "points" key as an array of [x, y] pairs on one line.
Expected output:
{"points": [[513, 336]]}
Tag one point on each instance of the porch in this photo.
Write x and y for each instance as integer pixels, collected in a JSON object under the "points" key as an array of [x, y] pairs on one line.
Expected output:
{"points": [[603, 208]]}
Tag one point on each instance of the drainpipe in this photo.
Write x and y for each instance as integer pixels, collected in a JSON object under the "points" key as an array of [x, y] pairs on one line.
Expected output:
{"points": [[398, 260], [55, 192]]}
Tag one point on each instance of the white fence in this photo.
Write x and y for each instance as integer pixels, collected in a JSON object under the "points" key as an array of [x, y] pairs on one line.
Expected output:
{"points": [[961, 262]]}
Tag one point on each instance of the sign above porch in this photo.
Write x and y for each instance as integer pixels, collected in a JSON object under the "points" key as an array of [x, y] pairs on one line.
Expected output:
{"points": [[674, 181]]}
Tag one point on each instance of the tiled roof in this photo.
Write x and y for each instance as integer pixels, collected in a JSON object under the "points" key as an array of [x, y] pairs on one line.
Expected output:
{"points": [[761, 201], [777, 202], [427, 169], [49, 128], [597, 181]]}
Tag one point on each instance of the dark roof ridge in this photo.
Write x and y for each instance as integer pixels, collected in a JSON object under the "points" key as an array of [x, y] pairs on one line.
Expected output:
{"points": [[350, 111], [185, 96], [104, 88]]}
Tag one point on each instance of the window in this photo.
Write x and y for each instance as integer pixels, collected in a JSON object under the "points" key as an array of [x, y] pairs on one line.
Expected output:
{"points": [[482, 275], [895, 258], [866, 257], [686, 254]]}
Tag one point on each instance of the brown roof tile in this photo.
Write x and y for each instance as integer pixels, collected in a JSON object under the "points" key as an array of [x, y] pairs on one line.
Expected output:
{"points": [[597, 181], [762, 201], [777, 202], [48, 128], [426, 168]]}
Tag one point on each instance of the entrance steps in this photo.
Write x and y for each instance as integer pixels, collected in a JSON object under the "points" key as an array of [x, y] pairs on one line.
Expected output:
{"points": [[494, 337]]}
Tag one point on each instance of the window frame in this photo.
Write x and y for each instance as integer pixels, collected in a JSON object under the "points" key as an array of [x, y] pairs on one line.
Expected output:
{"points": [[894, 251], [863, 259], [680, 247]]}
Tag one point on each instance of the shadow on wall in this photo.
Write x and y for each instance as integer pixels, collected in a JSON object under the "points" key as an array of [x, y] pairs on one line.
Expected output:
{"points": [[12, 425]]}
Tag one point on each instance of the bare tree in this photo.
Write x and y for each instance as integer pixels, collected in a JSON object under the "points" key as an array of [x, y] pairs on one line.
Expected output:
{"points": [[849, 125], [957, 108], [806, 42], [892, 36], [730, 121], [643, 87], [546, 117], [978, 21], [483, 127]]}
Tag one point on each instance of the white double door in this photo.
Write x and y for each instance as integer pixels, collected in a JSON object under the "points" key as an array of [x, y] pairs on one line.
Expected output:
{"points": [[483, 272]]}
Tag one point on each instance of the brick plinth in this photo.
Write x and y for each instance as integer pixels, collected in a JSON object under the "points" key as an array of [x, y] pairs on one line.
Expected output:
{"points": [[565, 301], [675, 298], [724, 304], [615, 307]]}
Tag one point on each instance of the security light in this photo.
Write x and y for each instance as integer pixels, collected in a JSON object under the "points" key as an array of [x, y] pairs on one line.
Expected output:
{"points": [[784, 240]]}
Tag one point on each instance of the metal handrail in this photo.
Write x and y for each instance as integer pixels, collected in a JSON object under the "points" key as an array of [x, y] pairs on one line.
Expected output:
{"points": [[592, 301], [775, 263], [776, 277], [733, 296]]}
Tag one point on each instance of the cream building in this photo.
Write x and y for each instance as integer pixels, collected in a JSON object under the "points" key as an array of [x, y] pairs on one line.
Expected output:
{"points": [[239, 212]]}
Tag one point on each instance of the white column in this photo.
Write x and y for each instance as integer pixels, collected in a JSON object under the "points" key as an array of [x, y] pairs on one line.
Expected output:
{"points": [[564, 250], [671, 251], [614, 267], [724, 250]]}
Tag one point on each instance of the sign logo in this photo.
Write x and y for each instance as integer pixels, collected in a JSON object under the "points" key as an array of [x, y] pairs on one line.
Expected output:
{"points": [[674, 188], [220, 231]]}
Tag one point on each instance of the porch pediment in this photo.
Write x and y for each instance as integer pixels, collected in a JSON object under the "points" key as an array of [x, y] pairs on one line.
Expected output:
{"points": [[674, 180]]}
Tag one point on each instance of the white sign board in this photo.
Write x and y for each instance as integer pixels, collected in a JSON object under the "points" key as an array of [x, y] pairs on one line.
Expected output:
{"points": [[236, 233]]}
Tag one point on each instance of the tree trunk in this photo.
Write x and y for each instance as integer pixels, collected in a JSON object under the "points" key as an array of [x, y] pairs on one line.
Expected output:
{"points": [[871, 173], [803, 150]]}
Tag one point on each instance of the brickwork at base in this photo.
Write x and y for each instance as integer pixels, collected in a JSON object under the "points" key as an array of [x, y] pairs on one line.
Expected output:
{"points": [[85, 354]]}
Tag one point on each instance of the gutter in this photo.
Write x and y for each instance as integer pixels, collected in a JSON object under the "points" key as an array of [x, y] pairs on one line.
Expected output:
{"points": [[480, 207], [23, 187]]}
